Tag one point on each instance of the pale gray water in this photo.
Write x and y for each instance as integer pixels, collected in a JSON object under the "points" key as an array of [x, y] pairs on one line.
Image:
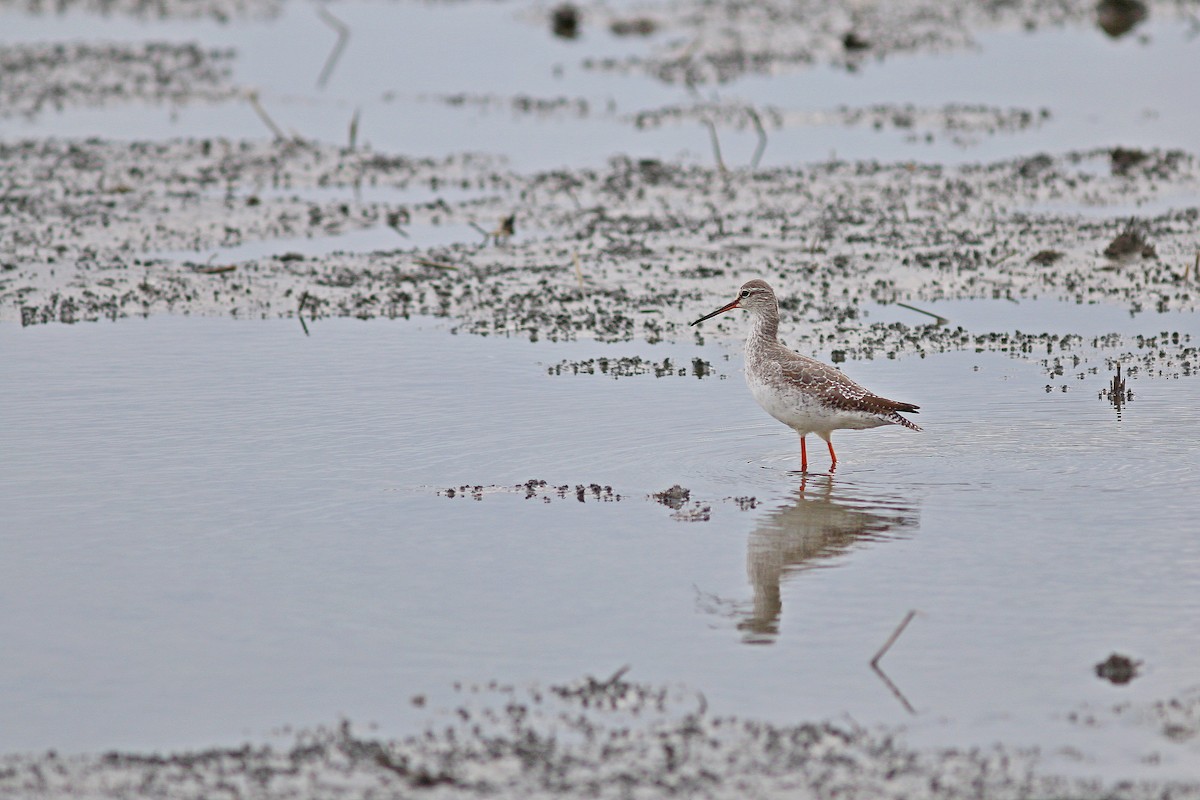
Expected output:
{"points": [[212, 528], [1101, 92]]}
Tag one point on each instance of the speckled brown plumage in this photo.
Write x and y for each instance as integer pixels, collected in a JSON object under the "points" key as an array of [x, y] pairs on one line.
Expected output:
{"points": [[801, 392]]}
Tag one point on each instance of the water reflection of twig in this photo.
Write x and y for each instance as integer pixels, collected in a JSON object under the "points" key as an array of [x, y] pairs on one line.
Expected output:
{"points": [[895, 690], [891, 640], [761, 147]]}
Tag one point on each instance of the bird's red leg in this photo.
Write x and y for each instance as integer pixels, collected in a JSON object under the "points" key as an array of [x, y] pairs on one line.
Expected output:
{"points": [[803, 455], [832, 454]]}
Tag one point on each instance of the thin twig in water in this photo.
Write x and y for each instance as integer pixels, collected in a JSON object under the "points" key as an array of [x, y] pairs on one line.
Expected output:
{"points": [[762, 137], [892, 639], [938, 319], [616, 676], [216, 269], [354, 128], [343, 33], [252, 97], [486, 234]]}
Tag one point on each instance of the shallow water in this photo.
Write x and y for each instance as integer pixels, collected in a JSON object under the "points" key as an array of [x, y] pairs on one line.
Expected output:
{"points": [[213, 528], [400, 58]]}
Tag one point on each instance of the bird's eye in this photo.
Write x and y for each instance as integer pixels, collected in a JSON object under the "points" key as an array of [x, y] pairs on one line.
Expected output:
{"points": [[745, 293]]}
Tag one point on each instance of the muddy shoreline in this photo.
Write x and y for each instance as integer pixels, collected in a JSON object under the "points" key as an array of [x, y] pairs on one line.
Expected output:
{"points": [[594, 737], [100, 228]]}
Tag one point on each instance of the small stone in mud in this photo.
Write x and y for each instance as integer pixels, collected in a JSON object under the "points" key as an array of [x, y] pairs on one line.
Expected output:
{"points": [[674, 497], [1118, 669], [1130, 242], [1045, 258], [1123, 159], [1119, 17], [853, 42], [564, 21]]}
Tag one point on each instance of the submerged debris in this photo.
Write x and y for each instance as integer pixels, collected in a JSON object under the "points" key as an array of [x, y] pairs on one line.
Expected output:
{"points": [[564, 21], [1046, 258], [1131, 242], [537, 488], [1118, 669], [626, 366], [674, 497], [1125, 159], [633, 26], [1119, 17], [1116, 391]]}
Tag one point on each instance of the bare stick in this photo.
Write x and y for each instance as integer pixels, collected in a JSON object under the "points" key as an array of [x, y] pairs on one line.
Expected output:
{"points": [[437, 265], [343, 33], [252, 97], [616, 676], [762, 138], [1007, 255], [354, 128], [486, 236], [216, 269], [940, 320], [892, 639]]}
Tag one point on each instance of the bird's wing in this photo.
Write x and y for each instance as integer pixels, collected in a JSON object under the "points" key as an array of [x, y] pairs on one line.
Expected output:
{"points": [[837, 391]]}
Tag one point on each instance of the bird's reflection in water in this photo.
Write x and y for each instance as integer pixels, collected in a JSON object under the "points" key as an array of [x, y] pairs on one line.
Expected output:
{"points": [[822, 521]]}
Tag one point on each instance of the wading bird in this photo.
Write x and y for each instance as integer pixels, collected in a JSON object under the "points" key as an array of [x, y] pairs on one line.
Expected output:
{"points": [[801, 392]]}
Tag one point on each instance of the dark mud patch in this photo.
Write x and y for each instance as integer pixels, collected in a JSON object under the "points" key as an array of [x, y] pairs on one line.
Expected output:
{"points": [[687, 509], [40, 78], [673, 498], [218, 10], [1118, 669], [592, 738], [720, 42], [536, 488], [628, 366], [629, 251]]}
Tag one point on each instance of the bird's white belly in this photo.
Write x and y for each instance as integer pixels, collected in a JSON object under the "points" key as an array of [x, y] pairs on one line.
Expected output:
{"points": [[806, 413]]}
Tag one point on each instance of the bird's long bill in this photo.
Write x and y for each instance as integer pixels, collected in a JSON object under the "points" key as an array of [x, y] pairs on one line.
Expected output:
{"points": [[720, 310]]}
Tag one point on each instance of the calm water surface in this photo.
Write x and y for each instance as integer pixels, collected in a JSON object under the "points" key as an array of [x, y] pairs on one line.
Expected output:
{"points": [[1100, 92], [212, 528]]}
